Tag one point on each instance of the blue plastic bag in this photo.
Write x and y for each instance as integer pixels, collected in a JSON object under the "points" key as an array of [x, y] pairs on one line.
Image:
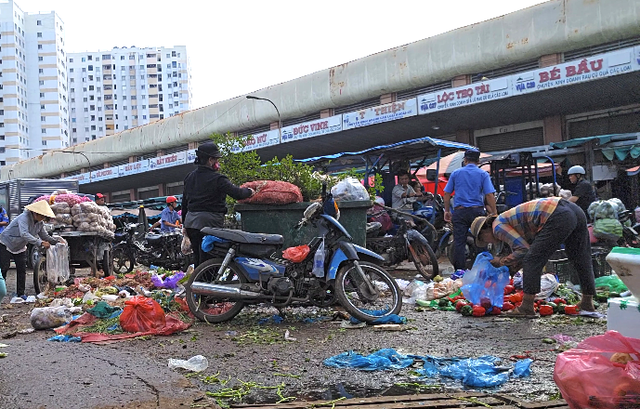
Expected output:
{"points": [[383, 359], [485, 281], [209, 241]]}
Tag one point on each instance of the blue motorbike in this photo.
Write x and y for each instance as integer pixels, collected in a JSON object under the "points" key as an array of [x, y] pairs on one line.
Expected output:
{"points": [[246, 271]]}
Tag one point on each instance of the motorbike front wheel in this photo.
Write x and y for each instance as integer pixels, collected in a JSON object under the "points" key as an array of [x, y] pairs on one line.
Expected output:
{"points": [[356, 296], [424, 259], [211, 308], [123, 261]]}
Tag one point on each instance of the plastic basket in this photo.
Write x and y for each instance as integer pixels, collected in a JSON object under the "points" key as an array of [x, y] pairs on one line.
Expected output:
{"points": [[564, 270]]}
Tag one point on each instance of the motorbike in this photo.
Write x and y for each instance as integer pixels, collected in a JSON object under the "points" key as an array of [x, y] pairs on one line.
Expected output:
{"points": [[133, 245], [245, 270], [438, 233], [406, 244]]}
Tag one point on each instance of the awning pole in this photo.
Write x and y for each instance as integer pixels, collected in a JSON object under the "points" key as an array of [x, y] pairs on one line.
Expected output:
{"points": [[435, 189], [553, 169]]}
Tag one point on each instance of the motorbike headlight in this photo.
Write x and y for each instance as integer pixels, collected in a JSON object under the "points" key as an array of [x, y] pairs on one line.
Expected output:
{"points": [[312, 210]]}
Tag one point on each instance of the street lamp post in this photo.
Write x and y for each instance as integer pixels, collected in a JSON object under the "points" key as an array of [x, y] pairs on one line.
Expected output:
{"points": [[277, 110]]}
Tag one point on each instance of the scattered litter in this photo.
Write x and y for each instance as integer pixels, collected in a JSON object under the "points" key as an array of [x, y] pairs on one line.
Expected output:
{"points": [[562, 339], [102, 310], [16, 300], [197, 363], [231, 333], [30, 299], [26, 331], [52, 317], [4, 345], [3, 354], [289, 338], [388, 327], [276, 319], [402, 284], [64, 338], [549, 341], [388, 319], [351, 325], [592, 314], [481, 372]]}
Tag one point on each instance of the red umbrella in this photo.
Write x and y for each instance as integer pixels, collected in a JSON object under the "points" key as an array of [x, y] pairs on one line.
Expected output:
{"points": [[448, 164]]}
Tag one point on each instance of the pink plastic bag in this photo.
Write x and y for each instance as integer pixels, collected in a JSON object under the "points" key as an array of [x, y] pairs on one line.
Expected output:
{"points": [[602, 372]]}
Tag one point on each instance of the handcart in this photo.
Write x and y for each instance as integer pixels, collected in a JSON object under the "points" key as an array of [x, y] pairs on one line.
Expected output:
{"points": [[86, 250]]}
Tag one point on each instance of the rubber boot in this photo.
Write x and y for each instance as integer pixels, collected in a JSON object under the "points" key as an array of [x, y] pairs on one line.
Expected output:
{"points": [[527, 304], [586, 303]]}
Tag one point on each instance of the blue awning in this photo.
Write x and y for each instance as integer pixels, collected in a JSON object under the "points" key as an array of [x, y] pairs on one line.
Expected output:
{"points": [[411, 149]]}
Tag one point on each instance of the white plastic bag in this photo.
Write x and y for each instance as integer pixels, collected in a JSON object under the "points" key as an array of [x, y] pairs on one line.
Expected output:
{"points": [[548, 284], [185, 247], [349, 189], [196, 363], [52, 317], [58, 263]]}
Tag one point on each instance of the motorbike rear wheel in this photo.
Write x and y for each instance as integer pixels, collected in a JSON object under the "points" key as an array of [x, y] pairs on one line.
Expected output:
{"points": [[424, 259], [355, 296], [210, 308], [123, 261]]}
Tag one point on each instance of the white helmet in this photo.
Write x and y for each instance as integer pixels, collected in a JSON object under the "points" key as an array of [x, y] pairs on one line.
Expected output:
{"points": [[576, 170], [379, 200]]}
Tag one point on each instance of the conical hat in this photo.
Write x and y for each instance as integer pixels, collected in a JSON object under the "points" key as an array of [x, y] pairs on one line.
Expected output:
{"points": [[41, 207]]}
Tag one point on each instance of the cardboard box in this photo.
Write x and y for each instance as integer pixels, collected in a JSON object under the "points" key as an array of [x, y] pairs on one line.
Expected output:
{"points": [[623, 315]]}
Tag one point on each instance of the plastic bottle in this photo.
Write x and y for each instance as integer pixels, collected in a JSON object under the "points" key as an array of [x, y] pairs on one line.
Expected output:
{"points": [[318, 261], [197, 363]]}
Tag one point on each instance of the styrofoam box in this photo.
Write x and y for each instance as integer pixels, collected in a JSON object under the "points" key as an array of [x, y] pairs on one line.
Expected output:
{"points": [[623, 315], [625, 261]]}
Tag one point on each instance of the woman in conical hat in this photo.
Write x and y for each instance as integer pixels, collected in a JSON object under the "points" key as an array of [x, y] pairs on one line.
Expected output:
{"points": [[27, 228]]}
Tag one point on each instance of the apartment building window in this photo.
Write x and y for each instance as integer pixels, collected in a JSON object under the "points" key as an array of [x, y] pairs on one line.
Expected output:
{"points": [[92, 107], [39, 35], [86, 110], [93, 127], [132, 57], [74, 130], [40, 71], [124, 108], [84, 99], [42, 106], [91, 87], [41, 82], [72, 80], [70, 69], [40, 58], [100, 128], [71, 60], [38, 22], [142, 67], [93, 117], [39, 46], [1, 111], [90, 77], [86, 129], [43, 118], [144, 107], [173, 53], [43, 130], [90, 68], [134, 107], [44, 143]]}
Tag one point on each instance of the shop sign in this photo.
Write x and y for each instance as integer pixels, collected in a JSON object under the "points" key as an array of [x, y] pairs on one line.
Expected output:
{"points": [[573, 72], [165, 161], [103, 174], [191, 155], [82, 178], [258, 141], [133, 168], [310, 129], [636, 57], [465, 95], [380, 114]]}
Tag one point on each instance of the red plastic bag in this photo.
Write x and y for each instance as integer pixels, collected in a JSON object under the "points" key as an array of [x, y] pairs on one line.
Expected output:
{"points": [[296, 254], [602, 372], [142, 314], [274, 192]]}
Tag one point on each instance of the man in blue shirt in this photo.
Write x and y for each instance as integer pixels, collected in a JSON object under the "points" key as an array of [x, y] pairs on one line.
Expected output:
{"points": [[473, 188], [169, 218]]}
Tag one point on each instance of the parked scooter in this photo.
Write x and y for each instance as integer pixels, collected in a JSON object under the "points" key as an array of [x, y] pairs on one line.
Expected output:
{"points": [[245, 271], [406, 243], [133, 245], [438, 233]]}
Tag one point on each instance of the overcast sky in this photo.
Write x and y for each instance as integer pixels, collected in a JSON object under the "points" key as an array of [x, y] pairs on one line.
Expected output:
{"points": [[239, 46]]}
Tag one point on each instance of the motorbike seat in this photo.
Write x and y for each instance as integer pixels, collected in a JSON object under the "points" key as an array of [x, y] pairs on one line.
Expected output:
{"points": [[239, 236], [153, 238]]}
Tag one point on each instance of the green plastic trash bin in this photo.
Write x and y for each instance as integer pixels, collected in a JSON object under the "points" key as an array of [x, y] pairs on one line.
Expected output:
{"points": [[283, 220]]}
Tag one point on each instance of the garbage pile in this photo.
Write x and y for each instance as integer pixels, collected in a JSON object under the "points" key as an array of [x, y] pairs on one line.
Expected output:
{"points": [[111, 308]]}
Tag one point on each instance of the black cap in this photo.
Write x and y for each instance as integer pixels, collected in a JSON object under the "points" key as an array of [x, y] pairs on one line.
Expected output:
{"points": [[209, 149], [472, 154]]}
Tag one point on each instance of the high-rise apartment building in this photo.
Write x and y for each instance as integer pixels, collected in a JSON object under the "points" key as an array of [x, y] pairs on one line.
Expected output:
{"points": [[110, 91], [33, 84]]}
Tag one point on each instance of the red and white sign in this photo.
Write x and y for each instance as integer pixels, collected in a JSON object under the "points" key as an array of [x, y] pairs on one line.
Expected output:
{"points": [[165, 161], [380, 114], [102, 174], [310, 129], [133, 168], [578, 71], [484, 91], [261, 140]]}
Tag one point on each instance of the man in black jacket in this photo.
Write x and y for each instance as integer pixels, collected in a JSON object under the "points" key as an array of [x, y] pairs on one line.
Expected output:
{"points": [[204, 197]]}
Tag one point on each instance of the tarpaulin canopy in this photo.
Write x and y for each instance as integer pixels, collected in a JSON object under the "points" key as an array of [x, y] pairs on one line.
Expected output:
{"points": [[622, 152], [410, 149]]}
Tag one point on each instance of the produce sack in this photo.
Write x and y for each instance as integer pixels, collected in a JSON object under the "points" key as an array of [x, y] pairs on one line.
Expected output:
{"points": [[52, 317], [602, 372], [142, 314], [349, 189], [485, 281], [273, 192], [185, 246], [58, 263], [296, 254]]}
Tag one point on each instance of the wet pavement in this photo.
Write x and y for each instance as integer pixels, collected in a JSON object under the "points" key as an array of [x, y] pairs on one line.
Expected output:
{"points": [[256, 364]]}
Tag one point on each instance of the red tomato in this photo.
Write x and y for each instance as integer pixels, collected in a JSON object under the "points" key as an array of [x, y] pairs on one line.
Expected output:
{"points": [[506, 306], [546, 310], [509, 289], [496, 311], [479, 311]]}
